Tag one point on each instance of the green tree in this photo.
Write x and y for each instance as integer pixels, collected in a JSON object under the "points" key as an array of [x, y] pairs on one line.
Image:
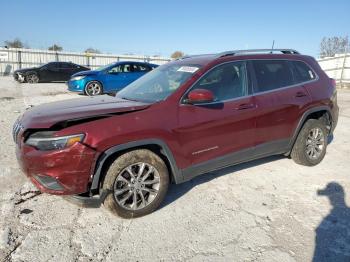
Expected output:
{"points": [[16, 43], [55, 48], [177, 54], [92, 50]]}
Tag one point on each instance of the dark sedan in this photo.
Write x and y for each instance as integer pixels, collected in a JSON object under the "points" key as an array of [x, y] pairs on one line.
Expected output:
{"points": [[54, 71]]}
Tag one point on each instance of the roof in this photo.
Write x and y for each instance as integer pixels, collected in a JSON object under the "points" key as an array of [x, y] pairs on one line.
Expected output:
{"points": [[261, 53]]}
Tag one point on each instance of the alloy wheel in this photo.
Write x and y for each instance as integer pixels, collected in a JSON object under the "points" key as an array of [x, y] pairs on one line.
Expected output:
{"points": [[33, 78], [136, 186], [93, 89], [315, 143]]}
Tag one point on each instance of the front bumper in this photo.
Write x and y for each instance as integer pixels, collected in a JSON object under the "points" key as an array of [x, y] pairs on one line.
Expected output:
{"points": [[60, 172], [76, 85]]}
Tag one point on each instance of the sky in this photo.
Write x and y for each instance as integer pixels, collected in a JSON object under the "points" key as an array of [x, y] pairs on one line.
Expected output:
{"points": [[160, 27]]}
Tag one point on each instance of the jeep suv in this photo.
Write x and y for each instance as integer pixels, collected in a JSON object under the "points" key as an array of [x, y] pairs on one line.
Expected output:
{"points": [[185, 118]]}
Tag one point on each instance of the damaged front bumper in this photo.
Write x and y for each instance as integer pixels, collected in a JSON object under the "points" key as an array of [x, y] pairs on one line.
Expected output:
{"points": [[59, 172]]}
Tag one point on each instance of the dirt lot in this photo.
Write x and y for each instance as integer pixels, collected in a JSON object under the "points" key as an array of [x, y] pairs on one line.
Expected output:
{"points": [[266, 210]]}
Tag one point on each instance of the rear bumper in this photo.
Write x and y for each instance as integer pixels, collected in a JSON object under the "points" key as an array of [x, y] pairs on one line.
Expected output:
{"points": [[59, 172]]}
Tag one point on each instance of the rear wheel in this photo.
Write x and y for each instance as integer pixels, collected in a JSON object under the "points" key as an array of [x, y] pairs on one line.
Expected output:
{"points": [[93, 88], [137, 182], [311, 144], [32, 78]]}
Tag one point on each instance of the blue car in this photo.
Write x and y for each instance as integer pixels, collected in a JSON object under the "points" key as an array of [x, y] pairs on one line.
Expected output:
{"points": [[108, 79]]}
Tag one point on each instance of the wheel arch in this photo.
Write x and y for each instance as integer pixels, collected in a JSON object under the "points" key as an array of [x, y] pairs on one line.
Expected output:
{"points": [[313, 113], [157, 146]]}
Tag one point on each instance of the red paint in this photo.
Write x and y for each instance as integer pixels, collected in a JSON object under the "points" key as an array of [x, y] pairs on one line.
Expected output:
{"points": [[186, 129]]}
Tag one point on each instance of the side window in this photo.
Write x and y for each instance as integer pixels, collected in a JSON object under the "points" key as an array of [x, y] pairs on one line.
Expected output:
{"points": [[116, 69], [272, 74], [226, 81], [302, 72], [143, 68], [51, 66], [66, 65], [128, 68]]}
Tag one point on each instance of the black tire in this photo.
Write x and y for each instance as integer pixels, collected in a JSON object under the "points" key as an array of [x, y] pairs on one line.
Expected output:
{"points": [[93, 88], [300, 153], [117, 169], [32, 78]]}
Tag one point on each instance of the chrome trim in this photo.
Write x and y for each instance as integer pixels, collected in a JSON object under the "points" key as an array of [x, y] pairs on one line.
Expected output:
{"points": [[254, 93]]}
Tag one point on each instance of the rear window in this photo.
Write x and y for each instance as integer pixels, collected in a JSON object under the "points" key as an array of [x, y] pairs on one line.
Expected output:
{"points": [[302, 72], [272, 74]]}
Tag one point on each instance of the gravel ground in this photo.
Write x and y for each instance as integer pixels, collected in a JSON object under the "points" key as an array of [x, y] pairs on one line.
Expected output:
{"points": [[266, 210]]}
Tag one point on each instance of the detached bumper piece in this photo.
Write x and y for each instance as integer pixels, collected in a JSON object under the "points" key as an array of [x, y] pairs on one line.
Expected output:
{"points": [[83, 200]]}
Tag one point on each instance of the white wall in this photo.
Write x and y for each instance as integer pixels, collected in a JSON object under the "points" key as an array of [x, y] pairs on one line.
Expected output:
{"points": [[337, 67], [12, 58]]}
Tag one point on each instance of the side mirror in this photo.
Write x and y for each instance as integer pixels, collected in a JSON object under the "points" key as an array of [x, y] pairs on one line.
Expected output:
{"points": [[199, 96]]}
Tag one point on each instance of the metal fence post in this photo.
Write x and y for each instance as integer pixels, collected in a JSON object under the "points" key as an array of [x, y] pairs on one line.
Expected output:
{"points": [[342, 71], [19, 59], [56, 55]]}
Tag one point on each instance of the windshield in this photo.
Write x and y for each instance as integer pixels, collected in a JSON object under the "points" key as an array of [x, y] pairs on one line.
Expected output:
{"points": [[104, 67], [159, 83]]}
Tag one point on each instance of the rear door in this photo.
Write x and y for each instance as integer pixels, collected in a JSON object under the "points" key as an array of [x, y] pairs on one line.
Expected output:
{"points": [[66, 69], [115, 78], [279, 99], [223, 127]]}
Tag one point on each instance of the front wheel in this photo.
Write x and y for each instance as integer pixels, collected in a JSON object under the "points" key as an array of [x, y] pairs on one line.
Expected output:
{"points": [[32, 78], [137, 181], [93, 88], [311, 144]]}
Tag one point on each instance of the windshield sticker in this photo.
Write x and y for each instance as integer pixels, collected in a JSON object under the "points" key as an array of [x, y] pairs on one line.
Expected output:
{"points": [[188, 69]]}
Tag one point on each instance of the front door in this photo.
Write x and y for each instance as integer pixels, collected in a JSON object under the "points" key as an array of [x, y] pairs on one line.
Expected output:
{"points": [[222, 128]]}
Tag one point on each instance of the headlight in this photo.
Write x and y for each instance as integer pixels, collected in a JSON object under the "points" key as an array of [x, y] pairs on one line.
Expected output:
{"points": [[76, 78], [46, 141]]}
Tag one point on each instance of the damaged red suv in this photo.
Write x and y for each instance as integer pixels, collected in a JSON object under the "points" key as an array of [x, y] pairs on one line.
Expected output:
{"points": [[185, 118]]}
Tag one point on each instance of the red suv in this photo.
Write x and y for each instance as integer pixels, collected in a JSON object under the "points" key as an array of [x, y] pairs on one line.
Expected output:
{"points": [[185, 118]]}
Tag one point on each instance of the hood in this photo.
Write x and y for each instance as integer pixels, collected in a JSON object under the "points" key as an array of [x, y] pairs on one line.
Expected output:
{"points": [[25, 69], [46, 115], [86, 73]]}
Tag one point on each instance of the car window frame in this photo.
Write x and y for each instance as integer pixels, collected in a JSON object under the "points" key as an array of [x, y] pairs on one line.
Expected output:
{"points": [[248, 83], [255, 90]]}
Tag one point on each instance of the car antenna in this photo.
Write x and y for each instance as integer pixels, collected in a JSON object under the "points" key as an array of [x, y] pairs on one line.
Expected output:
{"points": [[273, 44]]}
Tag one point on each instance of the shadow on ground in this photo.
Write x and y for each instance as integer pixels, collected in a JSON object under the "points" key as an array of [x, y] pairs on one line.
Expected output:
{"points": [[332, 241], [177, 191]]}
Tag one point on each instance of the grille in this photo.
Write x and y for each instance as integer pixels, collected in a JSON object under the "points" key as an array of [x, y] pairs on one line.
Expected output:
{"points": [[17, 127]]}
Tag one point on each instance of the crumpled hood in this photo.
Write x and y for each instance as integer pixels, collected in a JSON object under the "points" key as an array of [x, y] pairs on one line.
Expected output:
{"points": [[46, 115]]}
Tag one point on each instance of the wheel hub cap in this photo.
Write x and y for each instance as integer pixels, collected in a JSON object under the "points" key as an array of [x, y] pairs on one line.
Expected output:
{"points": [[136, 186]]}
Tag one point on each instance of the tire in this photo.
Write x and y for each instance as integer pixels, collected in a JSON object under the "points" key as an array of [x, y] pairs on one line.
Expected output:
{"points": [[125, 183], [311, 144], [93, 88], [32, 78]]}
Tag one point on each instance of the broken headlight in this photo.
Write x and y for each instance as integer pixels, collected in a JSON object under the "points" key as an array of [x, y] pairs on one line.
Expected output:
{"points": [[45, 140]]}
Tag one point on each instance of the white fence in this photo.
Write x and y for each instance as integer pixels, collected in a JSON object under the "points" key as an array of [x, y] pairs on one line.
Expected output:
{"points": [[13, 58], [337, 67]]}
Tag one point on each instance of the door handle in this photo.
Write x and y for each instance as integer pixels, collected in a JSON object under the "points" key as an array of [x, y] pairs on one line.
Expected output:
{"points": [[245, 106], [300, 94]]}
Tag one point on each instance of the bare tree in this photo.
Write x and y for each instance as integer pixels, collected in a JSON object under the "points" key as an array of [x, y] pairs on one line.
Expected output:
{"points": [[16, 43], [55, 47], [92, 50], [177, 54], [334, 45]]}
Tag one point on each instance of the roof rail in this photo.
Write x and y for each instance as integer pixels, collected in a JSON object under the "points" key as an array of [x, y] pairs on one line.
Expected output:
{"points": [[238, 52]]}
